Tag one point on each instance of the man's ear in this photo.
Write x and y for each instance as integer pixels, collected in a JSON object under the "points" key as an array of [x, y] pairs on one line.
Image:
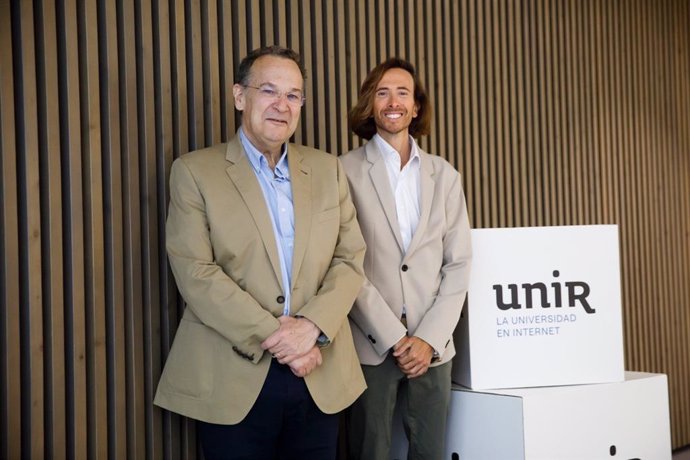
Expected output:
{"points": [[415, 111], [238, 95]]}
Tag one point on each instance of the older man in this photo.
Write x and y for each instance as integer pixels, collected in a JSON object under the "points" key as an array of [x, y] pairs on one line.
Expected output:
{"points": [[266, 251]]}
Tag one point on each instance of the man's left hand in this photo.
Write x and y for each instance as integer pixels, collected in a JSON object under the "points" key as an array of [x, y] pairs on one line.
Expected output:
{"points": [[293, 339], [304, 365], [414, 356]]}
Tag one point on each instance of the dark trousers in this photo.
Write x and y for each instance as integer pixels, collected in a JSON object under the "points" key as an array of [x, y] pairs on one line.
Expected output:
{"points": [[423, 403], [283, 424]]}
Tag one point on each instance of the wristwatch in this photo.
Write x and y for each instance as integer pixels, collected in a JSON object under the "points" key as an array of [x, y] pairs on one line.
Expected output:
{"points": [[322, 340]]}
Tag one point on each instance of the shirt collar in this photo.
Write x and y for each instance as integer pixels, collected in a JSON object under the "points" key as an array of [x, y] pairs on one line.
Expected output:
{"points": [[258, 160], [389, 154]]}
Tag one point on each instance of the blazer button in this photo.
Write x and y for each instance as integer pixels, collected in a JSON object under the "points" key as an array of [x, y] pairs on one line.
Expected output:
{"points": [[280, 299], [404, 267], [373, 340]]}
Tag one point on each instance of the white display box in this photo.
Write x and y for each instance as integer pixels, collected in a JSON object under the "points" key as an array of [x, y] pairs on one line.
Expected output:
{"points": [[618, 421], [544, 309]]}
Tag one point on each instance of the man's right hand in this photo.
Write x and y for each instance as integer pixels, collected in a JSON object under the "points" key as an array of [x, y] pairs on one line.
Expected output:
{"points": [[306, 363], [293, 339], [413, 355]]}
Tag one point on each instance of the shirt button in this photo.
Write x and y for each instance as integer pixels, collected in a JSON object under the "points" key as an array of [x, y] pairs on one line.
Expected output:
{"points": [[404, 267], [280, 299], [373, 340]]}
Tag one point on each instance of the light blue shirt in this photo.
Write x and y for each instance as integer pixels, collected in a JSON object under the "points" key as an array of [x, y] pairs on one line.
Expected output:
{"points": [[278, 195]]}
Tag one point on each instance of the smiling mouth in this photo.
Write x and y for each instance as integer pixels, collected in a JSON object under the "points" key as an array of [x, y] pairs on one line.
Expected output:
{"points": [[393, 116]]}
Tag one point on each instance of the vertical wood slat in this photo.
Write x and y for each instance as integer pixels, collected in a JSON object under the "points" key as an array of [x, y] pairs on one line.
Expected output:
{"points": [[194, 71], [327, 31], [211, 73], [502, 111], [51, 230], [559, 178], [313, 87], [150, 443], [463, 100], [519, 149], [510, 146], [180, 96], [10, 386], [439, 85], [418, 31], [92, 161], [30, 257], [294, 38], [634, 249], [532, 112], [548, 119], [620, 110], [318, 109], [453, 76], [652, 205], [340, 143], [130, 227], [73, 210], [473, 67], [450, 87], [352, 90], [113, 241], [556, 113], [565, 203], [148, 179], [227, 67], [680, 61], [642, 174]]}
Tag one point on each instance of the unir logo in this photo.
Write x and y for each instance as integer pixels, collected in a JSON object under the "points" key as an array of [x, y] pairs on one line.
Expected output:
{"points": [[575, 292]]}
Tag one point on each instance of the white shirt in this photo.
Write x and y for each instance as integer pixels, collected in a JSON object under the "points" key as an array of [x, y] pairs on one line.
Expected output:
{"points": [[405, 185]]}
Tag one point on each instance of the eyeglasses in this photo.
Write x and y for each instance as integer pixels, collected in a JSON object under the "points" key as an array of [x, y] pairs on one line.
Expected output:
{"points": [[294, 98]]}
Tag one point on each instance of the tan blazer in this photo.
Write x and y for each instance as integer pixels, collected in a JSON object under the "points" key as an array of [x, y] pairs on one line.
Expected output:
{"points": [[223, 254], [431, 279]]}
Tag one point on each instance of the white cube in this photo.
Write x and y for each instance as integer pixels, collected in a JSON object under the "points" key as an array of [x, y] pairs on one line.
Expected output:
{"points": [[617, 421], [544, 308]]}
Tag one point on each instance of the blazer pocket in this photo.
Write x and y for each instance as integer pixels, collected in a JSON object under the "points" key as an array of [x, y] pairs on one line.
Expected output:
{"points": [[328, 214], [189, 368]]}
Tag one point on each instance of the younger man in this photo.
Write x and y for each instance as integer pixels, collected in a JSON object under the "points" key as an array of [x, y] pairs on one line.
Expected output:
{"points": [[411, 209]]}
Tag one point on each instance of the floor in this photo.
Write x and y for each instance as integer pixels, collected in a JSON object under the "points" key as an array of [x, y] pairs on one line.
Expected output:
{"points": [[682, 454]]}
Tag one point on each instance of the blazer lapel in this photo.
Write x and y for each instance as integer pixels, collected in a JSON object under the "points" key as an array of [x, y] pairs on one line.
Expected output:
{"points": [[300, 177], [381, 182], [242, 175], [426, 189]]}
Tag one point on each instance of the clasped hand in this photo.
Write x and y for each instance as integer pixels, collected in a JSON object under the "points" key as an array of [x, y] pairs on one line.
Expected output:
{"points": [[413, 355], [293, 344]]}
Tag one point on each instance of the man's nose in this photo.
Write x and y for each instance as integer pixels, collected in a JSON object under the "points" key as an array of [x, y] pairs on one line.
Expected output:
{"points": [[393, 100], [281, 102]]}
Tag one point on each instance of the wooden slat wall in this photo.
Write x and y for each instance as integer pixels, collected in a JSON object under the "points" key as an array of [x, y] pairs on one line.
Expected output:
{"points": [[556, 112]]}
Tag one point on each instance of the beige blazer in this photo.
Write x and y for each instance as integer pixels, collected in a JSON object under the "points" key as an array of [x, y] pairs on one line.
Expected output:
{"points": [[224, 257], [431, 279]]}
